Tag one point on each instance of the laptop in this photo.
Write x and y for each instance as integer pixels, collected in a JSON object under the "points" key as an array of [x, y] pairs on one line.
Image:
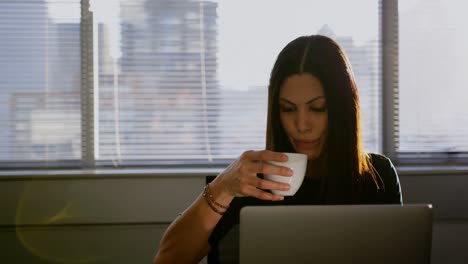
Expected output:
{"points": [[336, 234]]}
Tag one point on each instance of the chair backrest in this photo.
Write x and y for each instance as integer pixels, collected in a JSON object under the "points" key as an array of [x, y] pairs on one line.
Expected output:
{"points": [[209, 178], [228, 248], [213, 255]]}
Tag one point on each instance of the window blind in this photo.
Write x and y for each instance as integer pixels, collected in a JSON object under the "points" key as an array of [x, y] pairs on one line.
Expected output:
{"points": [[433, 98], [39, 80], [186, 81]]}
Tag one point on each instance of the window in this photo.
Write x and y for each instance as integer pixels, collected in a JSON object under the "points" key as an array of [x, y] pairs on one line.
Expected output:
{"points": [[432, 99], [40, 81], [182, 82], [433, 65], [186, 84]]}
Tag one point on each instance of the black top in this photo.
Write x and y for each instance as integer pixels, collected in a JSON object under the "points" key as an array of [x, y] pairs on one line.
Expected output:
{"points": [[225, 236]]}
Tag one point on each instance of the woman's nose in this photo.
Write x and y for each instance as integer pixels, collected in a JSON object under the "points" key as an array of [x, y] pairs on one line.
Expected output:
{"points": [[302, 122]]}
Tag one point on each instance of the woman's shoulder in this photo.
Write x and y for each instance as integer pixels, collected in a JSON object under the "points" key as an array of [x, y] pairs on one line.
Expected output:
{"points": [[381, 162], [383, 166], [388, 176], [379, 158]]}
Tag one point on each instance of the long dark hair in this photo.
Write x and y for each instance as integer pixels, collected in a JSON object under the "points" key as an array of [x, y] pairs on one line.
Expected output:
{"points": [[346, 165]]}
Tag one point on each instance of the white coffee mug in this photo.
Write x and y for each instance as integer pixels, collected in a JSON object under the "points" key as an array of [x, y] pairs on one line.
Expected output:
{"points": [[297, 162]]}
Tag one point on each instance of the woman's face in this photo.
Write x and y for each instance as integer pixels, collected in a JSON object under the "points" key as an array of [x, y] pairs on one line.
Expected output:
{"points": [[303, 113]]}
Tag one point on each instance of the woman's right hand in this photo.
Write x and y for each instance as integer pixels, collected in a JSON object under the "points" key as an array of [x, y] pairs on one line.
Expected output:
{"points": [[240, 177]]}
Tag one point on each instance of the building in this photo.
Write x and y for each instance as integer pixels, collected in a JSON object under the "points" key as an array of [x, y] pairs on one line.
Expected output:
{"points": [[167, 83]]}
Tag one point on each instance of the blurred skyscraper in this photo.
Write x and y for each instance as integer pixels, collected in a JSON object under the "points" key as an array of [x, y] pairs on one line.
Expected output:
{"points": [[39, 84], [166, 82]]}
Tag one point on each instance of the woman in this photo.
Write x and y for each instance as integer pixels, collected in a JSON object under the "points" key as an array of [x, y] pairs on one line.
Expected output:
{"points": [[313, 108]]}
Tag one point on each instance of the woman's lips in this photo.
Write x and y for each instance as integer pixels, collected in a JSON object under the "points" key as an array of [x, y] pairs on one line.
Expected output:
{"points": [[306, 143]]}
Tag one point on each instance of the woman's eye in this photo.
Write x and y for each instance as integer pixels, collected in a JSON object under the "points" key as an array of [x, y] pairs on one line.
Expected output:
{"points": [[286, 109], [318, 109]]}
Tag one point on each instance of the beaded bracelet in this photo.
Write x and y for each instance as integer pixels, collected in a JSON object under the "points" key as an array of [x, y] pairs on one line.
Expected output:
{"points": [[210, 196], [212, 206], [210, 201]]}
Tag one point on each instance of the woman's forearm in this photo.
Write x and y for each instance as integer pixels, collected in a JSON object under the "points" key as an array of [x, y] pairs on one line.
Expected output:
{"points": [[186, 239]]}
